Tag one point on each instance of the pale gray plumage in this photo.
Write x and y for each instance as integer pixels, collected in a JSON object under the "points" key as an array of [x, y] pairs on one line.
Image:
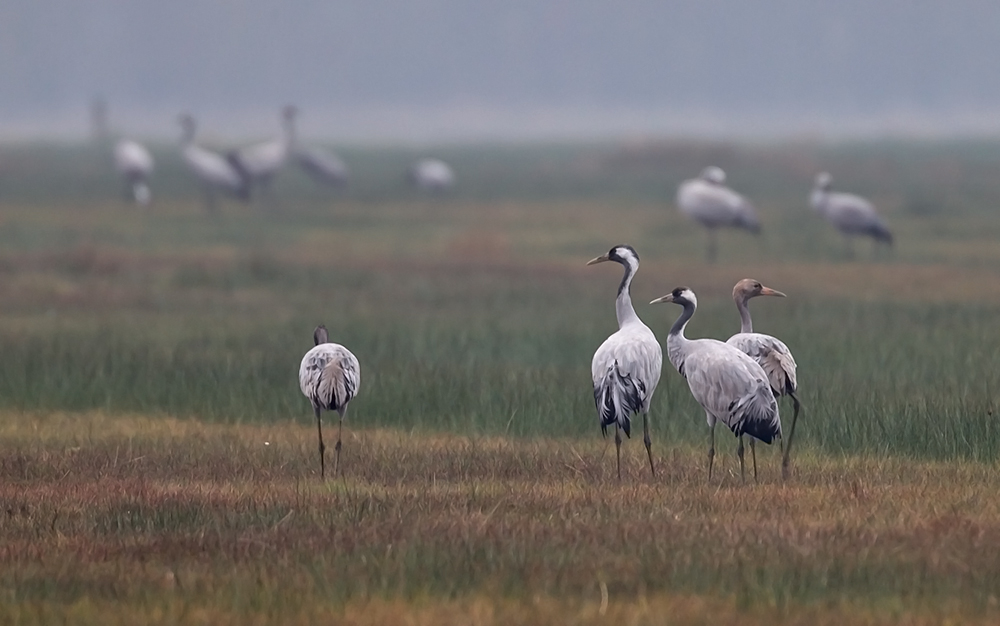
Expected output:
{"points": [[851, 214], [431, 175], [330, 377], [319, 164], [708, 201], [213, 170], [135, 164], [626, 367], [770, 352], [260, 162], [728, 384]]}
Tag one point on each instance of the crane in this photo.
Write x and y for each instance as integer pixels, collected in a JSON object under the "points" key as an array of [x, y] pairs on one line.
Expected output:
{"points": [[708, 201], [134, 162], [213, 170], [329, 376], [770, 352], [322, 165], [259, 162], [728, 384], [626, 367], [431, 175], [851, 214]]}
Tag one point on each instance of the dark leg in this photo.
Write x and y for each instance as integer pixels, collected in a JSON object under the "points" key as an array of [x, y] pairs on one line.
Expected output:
{"points": [[712, 244], [322, 448], [618, 450], [791, 433], [753, 455], [711, 449], [340, 431], [648, 442], [739, 453]]}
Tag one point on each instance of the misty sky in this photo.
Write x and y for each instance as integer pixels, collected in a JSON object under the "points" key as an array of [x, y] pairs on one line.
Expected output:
{"points": [[448, 69]]}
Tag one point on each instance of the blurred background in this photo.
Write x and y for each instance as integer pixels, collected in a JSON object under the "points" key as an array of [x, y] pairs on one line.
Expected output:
{"points": [[446, 70]]}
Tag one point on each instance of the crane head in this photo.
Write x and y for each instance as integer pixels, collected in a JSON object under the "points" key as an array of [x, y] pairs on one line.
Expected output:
{"points": [[320, 335], [680, 295], [624, 254], [750, 288], [714, 175], [824, 181]]}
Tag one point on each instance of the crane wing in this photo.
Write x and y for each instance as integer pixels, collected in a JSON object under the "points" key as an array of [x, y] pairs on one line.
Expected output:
{"points": [[772, 355]]}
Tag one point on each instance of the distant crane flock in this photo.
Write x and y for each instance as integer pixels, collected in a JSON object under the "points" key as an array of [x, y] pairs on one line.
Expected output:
{"points": [[242, 172]]}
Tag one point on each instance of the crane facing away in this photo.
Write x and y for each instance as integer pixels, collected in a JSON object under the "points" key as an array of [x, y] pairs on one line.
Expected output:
{"points": [[626, 367], [135, 164], [330, 377], [211, 168], [709, 202], [770, 352], [728, 384], [851, 214]]}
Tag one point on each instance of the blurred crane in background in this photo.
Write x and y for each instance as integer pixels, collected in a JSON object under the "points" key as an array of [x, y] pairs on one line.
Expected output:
{"points": [[851, 214], [431, 175], [258, 163], [216, 172], [708, 201], [135, 164]]}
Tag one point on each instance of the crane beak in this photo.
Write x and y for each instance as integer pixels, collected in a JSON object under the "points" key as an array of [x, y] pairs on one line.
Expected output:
{"points": [[767, 291], [600, 259], [667, 298]]}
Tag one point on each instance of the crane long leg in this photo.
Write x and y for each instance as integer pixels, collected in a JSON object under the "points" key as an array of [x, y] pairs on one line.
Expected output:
{"points": [[618, 450], [753, 455], [712, 244], [322, 448], [648, 442], [739, 453], [340, 431], [791, 434], [711, 449]]}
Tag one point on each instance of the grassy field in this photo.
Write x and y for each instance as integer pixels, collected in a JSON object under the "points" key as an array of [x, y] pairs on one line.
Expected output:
{"points": [[150, 354]]}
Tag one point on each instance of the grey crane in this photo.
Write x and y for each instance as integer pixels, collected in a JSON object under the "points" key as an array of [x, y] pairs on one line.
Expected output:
{"points": [[321, 165], [330, 377], [431, 175], [258, 163], [708, 201], [214, 171], [851, 214], [728, 384], [772, 354], [626, 367], [135, 164]]}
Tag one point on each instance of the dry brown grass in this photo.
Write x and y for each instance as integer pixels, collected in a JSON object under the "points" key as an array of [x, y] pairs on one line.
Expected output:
{"points": [[125, 519]]}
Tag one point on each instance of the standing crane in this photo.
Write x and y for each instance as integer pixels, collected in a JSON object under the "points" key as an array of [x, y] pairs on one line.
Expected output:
{"points": [[134, 162], [728, 384], [431, 175], [259, 162], [323, 166], [851, 214], [708, 201], [213, 170], [626, 367], [329, 376], [771, 353]]}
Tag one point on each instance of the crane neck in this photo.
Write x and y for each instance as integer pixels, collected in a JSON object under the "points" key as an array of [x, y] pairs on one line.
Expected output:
{"points": [[746, 324], [289, 129], [677, 330], [624, 310]]}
